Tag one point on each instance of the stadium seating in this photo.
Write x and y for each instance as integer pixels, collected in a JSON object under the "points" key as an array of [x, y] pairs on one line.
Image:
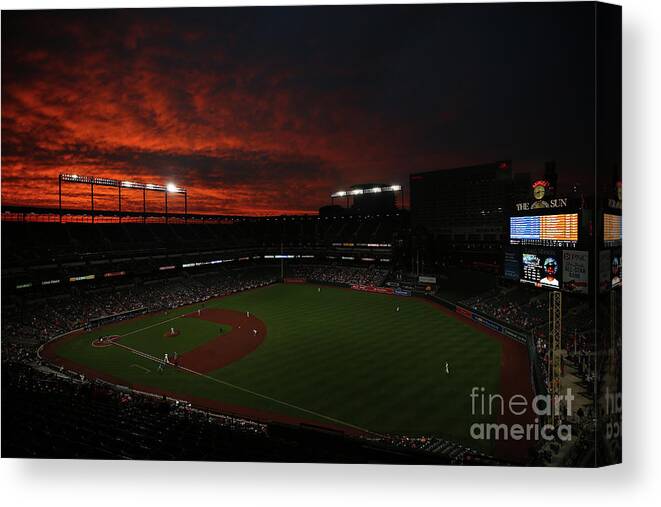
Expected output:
{"points": [[27, 243], [103, 422]]}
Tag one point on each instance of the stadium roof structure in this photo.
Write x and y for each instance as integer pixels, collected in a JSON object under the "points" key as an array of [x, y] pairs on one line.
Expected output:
{"points": [[27, 213], [170, 188], [369, 188], [108, 182], [18, 213]]}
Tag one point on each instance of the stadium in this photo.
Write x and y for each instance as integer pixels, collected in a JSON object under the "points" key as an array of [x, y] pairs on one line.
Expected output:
{"points": [[320, 234], [346, 336]]}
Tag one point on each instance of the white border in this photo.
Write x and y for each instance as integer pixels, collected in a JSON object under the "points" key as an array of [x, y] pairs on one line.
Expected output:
{"points": [[71, 483]]}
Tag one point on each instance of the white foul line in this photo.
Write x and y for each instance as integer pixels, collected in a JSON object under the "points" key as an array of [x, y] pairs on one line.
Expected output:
{"points": [[228, 384], [152, 325], [142, 368]]}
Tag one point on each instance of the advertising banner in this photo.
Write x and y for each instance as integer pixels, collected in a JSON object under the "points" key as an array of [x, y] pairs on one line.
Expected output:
{"points": [[491, 324], [464, 312], [575, 271], [369, 288], [513, 334], [488, 323]]}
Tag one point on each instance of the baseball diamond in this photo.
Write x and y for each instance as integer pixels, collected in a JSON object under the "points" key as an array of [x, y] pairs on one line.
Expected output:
{"points": [[334, 357]]}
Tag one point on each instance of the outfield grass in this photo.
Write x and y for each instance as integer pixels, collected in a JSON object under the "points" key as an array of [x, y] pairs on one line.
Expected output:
{"points": [[334, 355]]}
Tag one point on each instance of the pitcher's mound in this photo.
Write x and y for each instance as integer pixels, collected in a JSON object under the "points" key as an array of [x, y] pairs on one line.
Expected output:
{"points": [[172, 332]]}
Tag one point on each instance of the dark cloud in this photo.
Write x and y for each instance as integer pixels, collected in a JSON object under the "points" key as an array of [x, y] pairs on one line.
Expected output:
{"points": [[243, 105]]}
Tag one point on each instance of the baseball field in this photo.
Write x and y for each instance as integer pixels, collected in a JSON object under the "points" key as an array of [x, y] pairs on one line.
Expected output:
{"points": [[332, 357]]}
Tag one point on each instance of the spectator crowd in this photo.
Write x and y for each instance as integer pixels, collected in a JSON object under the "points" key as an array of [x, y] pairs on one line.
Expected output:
{"points": [[340, 275], [27, 325], [519, 307]]}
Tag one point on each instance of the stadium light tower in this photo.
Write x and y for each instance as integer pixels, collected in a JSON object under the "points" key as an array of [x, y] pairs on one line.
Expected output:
{"points": [[367, 190], [170, 188]]}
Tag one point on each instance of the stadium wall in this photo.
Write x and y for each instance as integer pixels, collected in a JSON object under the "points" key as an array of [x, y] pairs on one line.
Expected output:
{"points": [[536, 370]]}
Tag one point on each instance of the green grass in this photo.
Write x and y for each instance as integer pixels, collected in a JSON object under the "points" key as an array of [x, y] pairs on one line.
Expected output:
{"points": [[342, 355]]}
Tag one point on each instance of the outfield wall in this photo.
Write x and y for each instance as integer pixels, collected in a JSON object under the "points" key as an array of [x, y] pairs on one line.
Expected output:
{"points": [[536, 370], [518, 335]]}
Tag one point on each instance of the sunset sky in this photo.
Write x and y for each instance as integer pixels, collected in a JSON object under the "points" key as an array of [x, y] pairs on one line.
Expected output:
{"points": [[269, 110]]}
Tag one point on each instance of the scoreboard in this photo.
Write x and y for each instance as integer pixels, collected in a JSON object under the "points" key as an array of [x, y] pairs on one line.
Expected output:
{"points": [[548, 248], [612, 229], [545, 230]]}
